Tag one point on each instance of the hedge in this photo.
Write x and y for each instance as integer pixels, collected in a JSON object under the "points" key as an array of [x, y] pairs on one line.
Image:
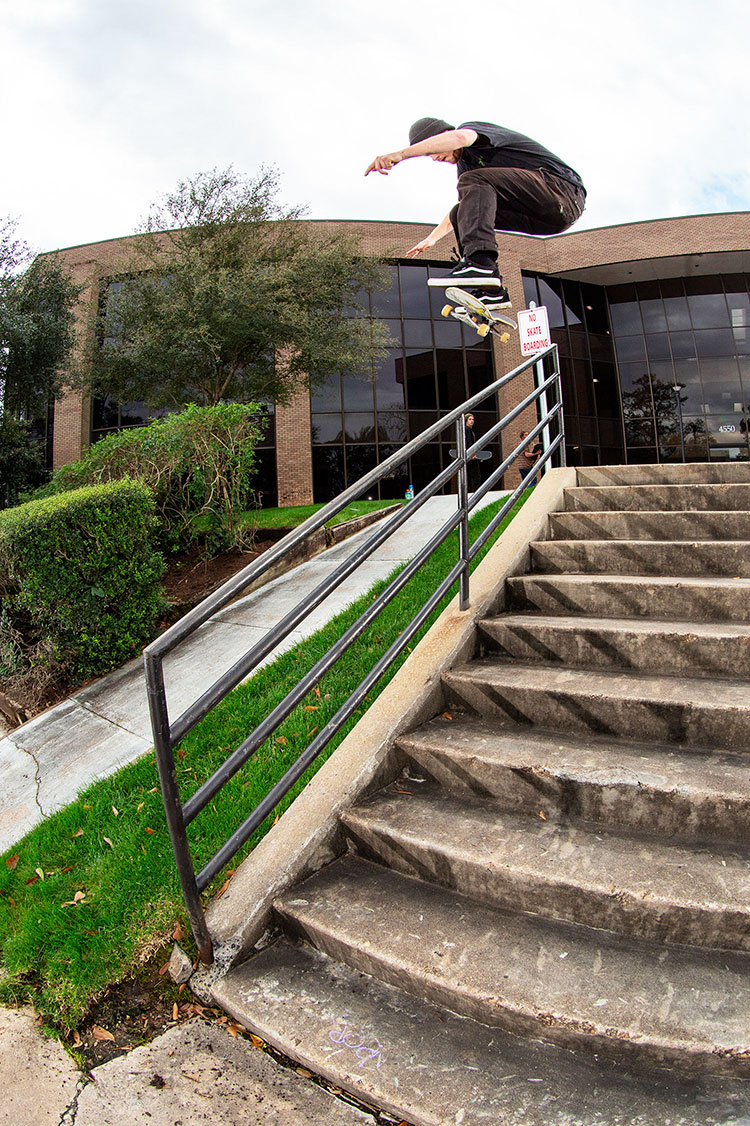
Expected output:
{"points": [[80, 576]]}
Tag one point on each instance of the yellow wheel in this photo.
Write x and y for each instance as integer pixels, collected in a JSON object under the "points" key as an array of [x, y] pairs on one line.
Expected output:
{"points": [[446, 310], [504, 337], [482, 330]]}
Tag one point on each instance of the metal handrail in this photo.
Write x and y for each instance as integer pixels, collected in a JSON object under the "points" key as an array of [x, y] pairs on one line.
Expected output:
{"points": [[168, 734]]}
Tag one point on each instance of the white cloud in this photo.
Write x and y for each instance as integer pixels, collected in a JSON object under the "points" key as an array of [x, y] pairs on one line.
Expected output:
{"points": [[113, 104]]}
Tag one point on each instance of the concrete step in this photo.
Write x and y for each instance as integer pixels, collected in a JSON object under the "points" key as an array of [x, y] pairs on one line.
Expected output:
{"points": [[656, 498], [707, 599], [679, 648], [567, 985], [651, 789], [665, 892], [692, 473], [695, 711], [430, 1067], [730, 558], [650, 526]]}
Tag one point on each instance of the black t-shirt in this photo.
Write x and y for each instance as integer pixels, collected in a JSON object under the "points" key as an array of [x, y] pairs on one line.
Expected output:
{"points": [[496, 147]]}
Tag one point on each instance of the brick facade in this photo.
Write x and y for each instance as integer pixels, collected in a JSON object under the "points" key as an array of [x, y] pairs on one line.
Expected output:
{"points": [[698, 244]]}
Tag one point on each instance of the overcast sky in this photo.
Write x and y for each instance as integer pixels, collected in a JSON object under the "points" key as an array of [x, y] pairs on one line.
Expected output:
{"points": [[107, 105]]}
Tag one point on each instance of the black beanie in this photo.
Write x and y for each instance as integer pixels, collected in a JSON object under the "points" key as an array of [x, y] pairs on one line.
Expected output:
{"points": [[427, 127]]}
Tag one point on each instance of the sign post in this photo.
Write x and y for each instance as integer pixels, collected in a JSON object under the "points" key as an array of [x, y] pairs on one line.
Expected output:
{"points": [[534, 335]]}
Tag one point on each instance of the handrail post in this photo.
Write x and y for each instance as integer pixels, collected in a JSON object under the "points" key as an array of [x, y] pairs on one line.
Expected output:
{"points": [[165, 763], [463, 506], [543, 408]]}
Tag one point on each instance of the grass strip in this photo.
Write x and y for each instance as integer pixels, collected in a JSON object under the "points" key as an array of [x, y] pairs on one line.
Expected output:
{"points": [[297, 514], [92, 891]]}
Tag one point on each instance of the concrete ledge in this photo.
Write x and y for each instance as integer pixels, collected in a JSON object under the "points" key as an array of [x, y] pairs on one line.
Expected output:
{"points": [[309, 835]]}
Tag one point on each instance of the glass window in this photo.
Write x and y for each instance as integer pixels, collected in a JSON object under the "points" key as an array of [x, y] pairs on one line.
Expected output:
{"points": [[360, 427], [328, 472], [708, 310], [653, 315], [326, 394], [358, 392], [386, 302], [418, 334], [419, 421], [657, 346], [530, 291], [626, 318], [682, 344], [573, 304], [595, 310], [644, 456], [359, 460], [678, 313], [390, 386], [630, 349], [448, 333], [415, 297], [480, 370], [725, 430], [694, 433], [550, 291], [450, 379], [391, 426], [326, 428], [396, 483], [420, 380], [714, 342], [105, 413], [605, 390]]}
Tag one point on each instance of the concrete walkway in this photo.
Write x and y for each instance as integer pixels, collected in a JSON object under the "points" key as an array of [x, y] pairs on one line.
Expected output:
{"points": [[193, 1073], [46, 762]]}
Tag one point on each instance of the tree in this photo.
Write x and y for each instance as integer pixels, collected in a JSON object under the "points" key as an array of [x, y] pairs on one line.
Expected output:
{"points": [[37, 329], [37, 326], [229, 296]]}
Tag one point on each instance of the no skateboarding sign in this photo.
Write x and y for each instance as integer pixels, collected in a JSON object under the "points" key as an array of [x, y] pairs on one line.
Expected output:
{"points": [[533, 330]]}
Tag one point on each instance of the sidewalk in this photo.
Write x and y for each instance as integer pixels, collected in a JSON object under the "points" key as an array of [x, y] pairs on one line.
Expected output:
{"points": [[46, 762]]}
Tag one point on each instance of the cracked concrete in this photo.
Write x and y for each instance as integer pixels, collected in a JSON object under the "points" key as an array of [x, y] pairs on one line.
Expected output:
{"points": [[48, 761], [193, 1073]]}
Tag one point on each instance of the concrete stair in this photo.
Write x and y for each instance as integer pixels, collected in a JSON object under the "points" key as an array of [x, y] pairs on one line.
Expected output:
{"points": [[545, 919]]}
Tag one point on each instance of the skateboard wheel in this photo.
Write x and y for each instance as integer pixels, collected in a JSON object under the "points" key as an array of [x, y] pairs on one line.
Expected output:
{"points": [[482, 330], [446, 310], [504, 337]]}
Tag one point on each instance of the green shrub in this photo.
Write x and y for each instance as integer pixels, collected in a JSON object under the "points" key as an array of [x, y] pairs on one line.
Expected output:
{"points": [[79, 579], [198, 464]]}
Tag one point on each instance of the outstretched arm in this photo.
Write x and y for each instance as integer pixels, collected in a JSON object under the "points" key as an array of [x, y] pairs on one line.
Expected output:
{"points": [[443, 228], [441, 143]]}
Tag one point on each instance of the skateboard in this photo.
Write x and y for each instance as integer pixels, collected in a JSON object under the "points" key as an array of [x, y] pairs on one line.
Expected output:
{"points": [[464, 306], [483, 455]]}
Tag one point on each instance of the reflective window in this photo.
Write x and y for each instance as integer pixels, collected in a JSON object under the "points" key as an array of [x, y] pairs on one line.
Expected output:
{"points": [[358, 392], [708, 310]]}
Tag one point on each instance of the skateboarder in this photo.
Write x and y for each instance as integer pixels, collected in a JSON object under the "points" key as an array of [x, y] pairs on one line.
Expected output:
{"points": [[506, 182]]}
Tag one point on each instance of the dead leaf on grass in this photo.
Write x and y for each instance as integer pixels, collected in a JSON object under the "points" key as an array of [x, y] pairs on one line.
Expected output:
{"points": [[256, 1041], [150, 832], [175, 1012], [178, 932], [108, 841], [78, 833], [12, 861], [100, 1033]]}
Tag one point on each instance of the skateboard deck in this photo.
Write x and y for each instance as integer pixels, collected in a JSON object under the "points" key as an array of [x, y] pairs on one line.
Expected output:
{"points": [[464, 306], [465, 283], [483, 455]]}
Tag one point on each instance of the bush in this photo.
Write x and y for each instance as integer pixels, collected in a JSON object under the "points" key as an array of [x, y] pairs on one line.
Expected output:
{"points": [[198, 464], [79, 582], [22, 465]]}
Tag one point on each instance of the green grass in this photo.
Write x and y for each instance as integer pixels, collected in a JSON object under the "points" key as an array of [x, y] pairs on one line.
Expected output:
{"points": [[295, 515], [93, 890]]}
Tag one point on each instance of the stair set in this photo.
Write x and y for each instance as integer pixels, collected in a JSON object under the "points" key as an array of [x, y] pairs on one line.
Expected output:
{"points": [[544, 919]]}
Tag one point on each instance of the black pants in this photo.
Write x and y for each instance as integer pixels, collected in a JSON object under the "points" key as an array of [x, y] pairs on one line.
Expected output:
{"points": [[532, 202]]}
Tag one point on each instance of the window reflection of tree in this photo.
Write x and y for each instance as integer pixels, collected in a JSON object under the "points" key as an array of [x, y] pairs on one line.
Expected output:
{"points": [[656, 401]]}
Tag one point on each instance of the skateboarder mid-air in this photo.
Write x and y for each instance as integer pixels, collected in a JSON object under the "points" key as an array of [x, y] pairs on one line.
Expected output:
{"points": [[506, 182]]}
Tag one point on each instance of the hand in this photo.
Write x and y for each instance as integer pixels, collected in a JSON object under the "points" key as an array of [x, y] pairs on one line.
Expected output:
{"points": [[383, 164], [425, 244]]}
